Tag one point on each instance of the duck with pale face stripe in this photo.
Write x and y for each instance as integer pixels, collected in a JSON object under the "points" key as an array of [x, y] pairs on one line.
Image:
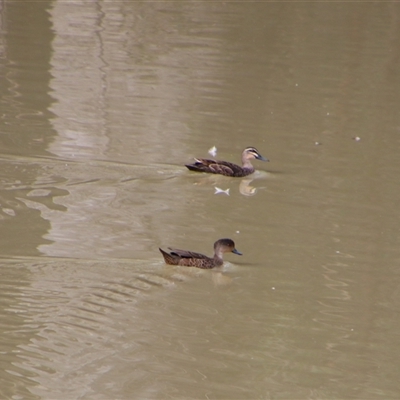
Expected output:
{"points": [[226, 168]]}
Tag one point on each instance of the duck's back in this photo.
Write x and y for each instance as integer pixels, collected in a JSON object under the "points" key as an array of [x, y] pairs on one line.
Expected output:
{"points": [[190, 259], [187, 254], [218, 167]]}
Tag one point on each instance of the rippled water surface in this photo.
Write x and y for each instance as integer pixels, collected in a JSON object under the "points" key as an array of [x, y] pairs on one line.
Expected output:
{"points": [[102, 103]]}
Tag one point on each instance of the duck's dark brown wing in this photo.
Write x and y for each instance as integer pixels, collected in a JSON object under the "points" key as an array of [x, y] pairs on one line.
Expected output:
{"points": [[215, 167], [187, 254], [170, 258]]}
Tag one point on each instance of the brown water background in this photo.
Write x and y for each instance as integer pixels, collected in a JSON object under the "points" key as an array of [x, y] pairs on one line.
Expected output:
{"points": [[101, 105]]}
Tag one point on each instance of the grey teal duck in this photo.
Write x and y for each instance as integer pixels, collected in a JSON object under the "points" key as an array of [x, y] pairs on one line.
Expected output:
{"points": [[191, 259]]}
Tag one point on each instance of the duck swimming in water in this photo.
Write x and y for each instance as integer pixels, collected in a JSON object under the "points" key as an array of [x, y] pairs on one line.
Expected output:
{"points": [[227, 168], [191, 259]]}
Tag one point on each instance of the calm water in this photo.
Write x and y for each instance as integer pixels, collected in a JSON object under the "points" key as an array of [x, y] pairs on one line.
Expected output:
{"points": [[101, 105]]}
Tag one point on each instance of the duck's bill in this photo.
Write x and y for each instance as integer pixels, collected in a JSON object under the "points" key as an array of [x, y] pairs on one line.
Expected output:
{"points": [[260, 157]]}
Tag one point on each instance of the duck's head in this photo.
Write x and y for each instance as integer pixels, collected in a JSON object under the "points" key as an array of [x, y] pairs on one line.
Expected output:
{"points": [[251, 152], [225, 246]]}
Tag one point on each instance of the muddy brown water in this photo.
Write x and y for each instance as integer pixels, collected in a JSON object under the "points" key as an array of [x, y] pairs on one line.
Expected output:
{"points": [[101, 105]]}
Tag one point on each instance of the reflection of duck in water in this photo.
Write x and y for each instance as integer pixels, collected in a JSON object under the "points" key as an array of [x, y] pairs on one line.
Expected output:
{"points": [[191, 259], [227, 168], [245, 189]]}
